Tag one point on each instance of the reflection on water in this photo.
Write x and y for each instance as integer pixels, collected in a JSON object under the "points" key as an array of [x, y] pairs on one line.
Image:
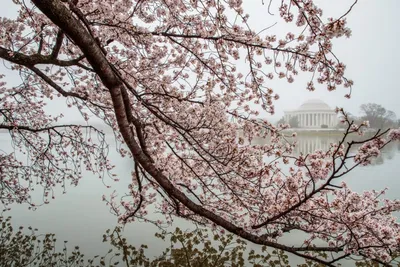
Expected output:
{"points": [[308, 142]]}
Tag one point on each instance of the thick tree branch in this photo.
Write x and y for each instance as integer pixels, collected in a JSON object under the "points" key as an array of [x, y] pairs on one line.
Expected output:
{"points": [[32, 60], [36, 130], [64, 19]]}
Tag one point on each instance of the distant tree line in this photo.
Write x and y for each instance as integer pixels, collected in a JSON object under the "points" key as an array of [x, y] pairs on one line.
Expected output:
{"points": [[293, 121], [377, 116]]}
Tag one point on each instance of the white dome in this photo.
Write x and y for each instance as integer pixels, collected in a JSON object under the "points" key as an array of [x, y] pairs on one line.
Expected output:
{"points": [[314, 104]]}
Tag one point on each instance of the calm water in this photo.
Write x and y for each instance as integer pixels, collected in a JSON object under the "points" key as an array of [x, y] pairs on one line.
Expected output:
{"points": [[81, 217]]}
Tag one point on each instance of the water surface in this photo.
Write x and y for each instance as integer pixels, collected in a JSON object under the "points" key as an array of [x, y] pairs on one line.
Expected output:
{"points": [[81, 217]]}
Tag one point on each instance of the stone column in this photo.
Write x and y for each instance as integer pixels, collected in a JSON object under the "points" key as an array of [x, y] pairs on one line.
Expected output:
{"points": [[298, 118], [301, 119], [319, 120], [314, 119], [326, 118], [305, 119], [322, 119], [311, 120]]}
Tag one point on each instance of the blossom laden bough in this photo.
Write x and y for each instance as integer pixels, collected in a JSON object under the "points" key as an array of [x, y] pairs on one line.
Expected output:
{"points": [[165, 76]]}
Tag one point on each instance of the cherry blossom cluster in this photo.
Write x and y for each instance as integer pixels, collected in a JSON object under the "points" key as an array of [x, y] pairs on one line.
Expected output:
{"points": [[43, 151], [369, 150], [394, 135]]}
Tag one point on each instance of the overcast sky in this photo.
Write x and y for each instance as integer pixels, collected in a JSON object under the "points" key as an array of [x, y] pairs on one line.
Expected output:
{"points": [[371, 54]]}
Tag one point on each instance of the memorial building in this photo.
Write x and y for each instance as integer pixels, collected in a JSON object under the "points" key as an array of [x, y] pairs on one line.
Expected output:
{"points": [[313, 114]]}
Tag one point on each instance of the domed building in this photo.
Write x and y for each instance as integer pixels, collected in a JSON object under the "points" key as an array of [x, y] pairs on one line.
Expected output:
{"points": [[313, 113]]}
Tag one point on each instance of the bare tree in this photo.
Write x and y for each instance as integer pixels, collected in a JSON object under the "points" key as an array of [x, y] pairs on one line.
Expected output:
{"points": [[377, 115]]}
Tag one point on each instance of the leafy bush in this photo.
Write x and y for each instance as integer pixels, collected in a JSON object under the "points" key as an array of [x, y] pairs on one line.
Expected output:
{"points": [[198, 248]]}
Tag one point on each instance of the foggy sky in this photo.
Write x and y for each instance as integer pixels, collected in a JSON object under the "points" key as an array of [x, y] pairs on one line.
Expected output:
{"points": [[370, 54]]}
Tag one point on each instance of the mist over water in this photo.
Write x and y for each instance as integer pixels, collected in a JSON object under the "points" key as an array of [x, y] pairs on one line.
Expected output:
{"points": [[81, 217]]}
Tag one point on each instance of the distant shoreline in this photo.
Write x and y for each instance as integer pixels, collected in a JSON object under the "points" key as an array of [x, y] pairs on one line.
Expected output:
{"points": [[311, 132], [322, 132]]}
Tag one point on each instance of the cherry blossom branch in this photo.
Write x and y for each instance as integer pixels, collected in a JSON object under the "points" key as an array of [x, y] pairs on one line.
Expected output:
{"points": [[36, 59], [57, 45], [169, 88], [328, 181], [55, 11], [36, 130]]}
